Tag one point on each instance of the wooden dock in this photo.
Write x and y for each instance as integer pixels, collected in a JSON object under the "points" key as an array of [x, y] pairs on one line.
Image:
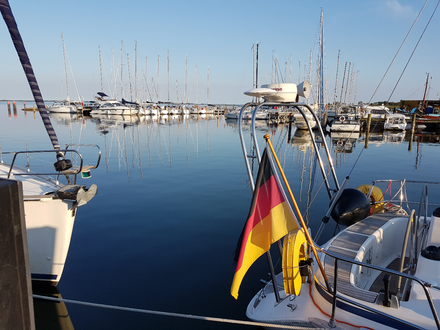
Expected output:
{"points": [[16, 305]]}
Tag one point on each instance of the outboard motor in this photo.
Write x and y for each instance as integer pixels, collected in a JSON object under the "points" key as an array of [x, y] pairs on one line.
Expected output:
{"points": [[352, 206]]}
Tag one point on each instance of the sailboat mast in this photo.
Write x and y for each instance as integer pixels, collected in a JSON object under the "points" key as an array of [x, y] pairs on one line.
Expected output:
{"points": [[129, 78], [186, 79], [347, 82], [273, 60], [256, 68], [122, 76], [177, 91], [356, 87], [336, 82], [197, 85], [342, 86], [424, 94], [135, 71], [321, 64], [290, 69], [114, 74], [65, 66], [100, 67], [157, 79], [207, 92], [168, 70]]}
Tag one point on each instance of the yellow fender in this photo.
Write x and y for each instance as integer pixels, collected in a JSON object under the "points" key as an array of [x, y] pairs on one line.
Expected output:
{"points": [[376, 196], [294, 251]]}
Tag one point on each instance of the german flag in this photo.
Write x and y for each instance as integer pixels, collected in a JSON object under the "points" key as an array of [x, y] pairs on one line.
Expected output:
{"points": [[270, 218]]}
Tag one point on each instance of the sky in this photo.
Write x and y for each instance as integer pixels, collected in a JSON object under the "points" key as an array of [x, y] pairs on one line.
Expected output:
{"points": [[204, 50]]}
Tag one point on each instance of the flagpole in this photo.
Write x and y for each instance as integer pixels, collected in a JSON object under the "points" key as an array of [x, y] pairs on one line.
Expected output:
{"points": [[309, 239]]}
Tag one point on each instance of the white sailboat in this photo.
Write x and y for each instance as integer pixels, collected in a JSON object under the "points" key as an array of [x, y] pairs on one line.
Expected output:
{"points": [[381, 271], [50, 210], [65, 106], [50, 207]]}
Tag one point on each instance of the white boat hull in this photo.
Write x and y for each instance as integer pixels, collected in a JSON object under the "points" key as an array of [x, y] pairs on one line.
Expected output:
{"points": [[300, 122], [49, 224], [313, 306], [346, 127], [63, 109]]}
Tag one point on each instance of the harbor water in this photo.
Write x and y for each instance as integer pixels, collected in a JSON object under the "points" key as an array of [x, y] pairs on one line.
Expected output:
{"points": [[173, 197]]}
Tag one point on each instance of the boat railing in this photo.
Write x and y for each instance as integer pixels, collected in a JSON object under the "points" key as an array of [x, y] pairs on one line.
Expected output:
{"points": [[400, 197], [98, 160], [409, 278], [293, 106], [74, 170]]}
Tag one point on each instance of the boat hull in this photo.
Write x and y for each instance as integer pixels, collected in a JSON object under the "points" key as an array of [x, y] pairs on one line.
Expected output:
{"points": [[49, 224]]}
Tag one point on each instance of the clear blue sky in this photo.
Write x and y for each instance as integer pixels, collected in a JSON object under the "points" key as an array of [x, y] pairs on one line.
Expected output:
{"points": [[218, 36]]}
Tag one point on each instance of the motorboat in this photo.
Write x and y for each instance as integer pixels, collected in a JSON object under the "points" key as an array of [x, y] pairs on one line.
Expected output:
{"points": [[395, 122], [112, 107], [345, 123], [347, 119], [50, 208], [376, 111], [380, 271], [63, 107]]}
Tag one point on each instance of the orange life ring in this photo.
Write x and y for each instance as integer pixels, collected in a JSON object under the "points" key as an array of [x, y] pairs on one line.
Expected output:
{"points": [[341, 119]]}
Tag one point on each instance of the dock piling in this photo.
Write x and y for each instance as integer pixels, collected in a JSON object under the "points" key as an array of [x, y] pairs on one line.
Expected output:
{"points": [[16, 304]]}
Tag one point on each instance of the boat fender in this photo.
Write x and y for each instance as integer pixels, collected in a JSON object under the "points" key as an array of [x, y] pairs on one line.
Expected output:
{"points": [[375, 197], [294, 253], [342, 118], [351, 207]]}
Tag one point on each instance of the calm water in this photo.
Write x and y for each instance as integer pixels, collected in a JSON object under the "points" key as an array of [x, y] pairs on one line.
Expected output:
{"points": [[173, 196]]}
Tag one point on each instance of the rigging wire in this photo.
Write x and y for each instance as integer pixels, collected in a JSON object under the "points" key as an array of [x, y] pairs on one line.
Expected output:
{"points": [[398, 51], [421, 36], [435, 9]]}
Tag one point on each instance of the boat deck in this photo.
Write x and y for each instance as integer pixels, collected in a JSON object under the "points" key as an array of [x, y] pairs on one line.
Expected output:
{"points": [[347, 245]]}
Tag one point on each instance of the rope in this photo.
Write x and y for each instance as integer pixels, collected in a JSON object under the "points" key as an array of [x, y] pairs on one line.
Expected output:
{"points": [[27, 67], [187, 316]]}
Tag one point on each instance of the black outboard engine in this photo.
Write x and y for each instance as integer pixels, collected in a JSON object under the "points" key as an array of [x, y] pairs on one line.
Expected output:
{"points": [[352, 206]]}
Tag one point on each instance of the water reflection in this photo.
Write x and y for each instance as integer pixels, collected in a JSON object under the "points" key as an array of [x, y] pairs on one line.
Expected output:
{"points": [[191, 191], [344, 142], [50, 315]]}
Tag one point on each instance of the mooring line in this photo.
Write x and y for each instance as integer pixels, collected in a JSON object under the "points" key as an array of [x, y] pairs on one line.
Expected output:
{"points": [[187, 316]]}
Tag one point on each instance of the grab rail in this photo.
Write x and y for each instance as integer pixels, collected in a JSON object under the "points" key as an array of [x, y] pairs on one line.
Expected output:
{"points": [[89, 145], [423, 284], [297, 106], [16, 153], [71, 171]]}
